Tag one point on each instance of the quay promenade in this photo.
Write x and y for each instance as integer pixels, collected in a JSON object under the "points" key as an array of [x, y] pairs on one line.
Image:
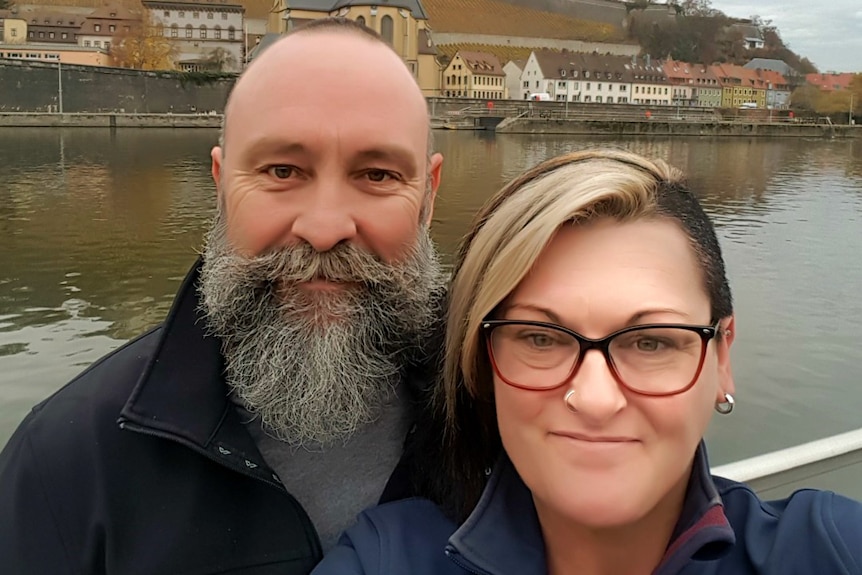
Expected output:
{"points": [[544, 121]]}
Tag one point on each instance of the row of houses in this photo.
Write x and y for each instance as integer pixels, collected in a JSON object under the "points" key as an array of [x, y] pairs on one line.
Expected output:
{"points": [[197, 29], [600, 73], [565, 76]]}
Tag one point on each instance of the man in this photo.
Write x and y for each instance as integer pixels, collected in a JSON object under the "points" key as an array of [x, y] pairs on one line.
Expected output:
{"points": [[247, 431]]}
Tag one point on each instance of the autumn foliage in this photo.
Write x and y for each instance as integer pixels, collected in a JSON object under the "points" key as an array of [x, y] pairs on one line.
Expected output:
{"points": [[144, 46], [829, 103]]}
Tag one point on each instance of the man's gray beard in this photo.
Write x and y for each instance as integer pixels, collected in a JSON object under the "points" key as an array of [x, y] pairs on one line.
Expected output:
{"points": [[316, 366]]}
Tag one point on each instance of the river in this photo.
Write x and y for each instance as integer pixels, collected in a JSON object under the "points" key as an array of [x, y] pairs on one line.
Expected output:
{"points": [[97, 228]]}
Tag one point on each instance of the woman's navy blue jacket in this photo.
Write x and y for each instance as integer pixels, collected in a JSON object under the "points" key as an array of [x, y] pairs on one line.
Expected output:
{"points": [[724, 529]]}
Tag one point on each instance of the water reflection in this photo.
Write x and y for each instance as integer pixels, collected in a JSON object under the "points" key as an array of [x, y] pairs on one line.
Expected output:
{"points": [[97, 228]]}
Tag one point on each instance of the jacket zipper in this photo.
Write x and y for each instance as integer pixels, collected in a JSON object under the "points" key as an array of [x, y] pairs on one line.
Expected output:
{"points": [[303, 515]]}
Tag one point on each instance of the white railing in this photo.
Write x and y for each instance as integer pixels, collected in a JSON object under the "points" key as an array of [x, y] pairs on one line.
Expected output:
{"points": [[833, 463]]}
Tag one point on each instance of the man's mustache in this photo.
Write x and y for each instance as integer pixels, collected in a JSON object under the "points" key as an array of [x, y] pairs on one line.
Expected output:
{"points": [[344, 263]]}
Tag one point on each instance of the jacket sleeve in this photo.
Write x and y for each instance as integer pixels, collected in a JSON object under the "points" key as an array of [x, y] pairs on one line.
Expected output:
{"points": [[357, 551], [845, 517], [30, 539], [406, 537]]}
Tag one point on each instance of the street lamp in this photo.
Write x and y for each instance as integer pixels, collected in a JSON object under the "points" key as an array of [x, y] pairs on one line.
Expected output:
{"points": [[59, 87]]}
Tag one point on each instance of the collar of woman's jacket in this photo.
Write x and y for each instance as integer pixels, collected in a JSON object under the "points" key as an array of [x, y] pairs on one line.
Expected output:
{"points": [[503, 535]]}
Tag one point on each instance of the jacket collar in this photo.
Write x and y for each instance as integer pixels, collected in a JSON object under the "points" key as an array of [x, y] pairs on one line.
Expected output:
{"points": [[181, 393], [503, 534]]}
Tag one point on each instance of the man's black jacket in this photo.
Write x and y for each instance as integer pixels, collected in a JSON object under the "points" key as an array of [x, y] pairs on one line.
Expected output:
{"points": [[141, 465]]}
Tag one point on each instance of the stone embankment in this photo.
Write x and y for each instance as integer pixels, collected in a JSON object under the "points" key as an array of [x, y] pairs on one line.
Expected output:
{"points": [[523, 125], [43, 120], [675, 128]]}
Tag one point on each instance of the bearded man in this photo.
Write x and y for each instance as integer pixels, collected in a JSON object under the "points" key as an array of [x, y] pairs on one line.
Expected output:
{"points": [[247, 431]]}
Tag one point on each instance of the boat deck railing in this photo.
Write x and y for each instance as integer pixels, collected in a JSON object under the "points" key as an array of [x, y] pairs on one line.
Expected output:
{"points": [[833, 463]]}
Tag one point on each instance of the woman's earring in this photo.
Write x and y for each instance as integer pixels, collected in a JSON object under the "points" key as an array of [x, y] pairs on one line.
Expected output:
{"points": [[725, 406], [569, 394]]}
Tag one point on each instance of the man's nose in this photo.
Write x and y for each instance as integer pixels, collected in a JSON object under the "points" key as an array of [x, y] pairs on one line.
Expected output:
{"points": [[325, 219]]}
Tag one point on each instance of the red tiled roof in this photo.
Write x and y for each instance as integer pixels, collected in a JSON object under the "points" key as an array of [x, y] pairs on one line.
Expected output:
{"points": [[482, 63], [830, 82]]}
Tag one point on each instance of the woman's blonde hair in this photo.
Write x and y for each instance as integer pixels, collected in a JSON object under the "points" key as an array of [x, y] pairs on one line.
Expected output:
{"points": [[504, 241]]}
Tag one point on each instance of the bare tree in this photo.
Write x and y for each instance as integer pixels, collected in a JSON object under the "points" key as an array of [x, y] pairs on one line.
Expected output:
{"points": [[220, 60]]}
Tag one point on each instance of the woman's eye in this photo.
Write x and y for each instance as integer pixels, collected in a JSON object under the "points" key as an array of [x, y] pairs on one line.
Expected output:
{"points": [[538, 340], [542, 340], [649, 344], [281, 172]]}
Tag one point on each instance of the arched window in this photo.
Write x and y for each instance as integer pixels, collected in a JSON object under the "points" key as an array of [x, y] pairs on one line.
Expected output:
{"points": [[361, 20], [203, 31], [217, 33], [386, 29], [188, 30], [231, 31], [175, 32]]}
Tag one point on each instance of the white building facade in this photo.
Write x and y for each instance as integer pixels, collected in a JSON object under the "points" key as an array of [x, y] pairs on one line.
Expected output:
{"points": [[200, 29], [577, 77]]}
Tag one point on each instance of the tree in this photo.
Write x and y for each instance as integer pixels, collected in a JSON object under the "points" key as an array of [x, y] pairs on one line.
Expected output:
{"points": [[220, 60], [805, 97], [698, 8], [144, 46]]}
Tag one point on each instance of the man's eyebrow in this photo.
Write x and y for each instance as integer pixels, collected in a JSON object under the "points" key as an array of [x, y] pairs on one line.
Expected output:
{"points": [[396, 154], [272, 147]]}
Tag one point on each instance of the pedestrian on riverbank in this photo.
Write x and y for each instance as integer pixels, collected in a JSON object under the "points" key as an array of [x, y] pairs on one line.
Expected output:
{"points": [[588, 344], [274, 403]]}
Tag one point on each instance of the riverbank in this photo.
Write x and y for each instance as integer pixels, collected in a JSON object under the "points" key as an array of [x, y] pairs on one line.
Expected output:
{"points": [[593, 126], [109, 120], [675, 128]]}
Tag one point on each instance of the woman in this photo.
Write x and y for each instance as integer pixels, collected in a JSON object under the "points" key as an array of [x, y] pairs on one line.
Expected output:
{"points": [[588, 345]]}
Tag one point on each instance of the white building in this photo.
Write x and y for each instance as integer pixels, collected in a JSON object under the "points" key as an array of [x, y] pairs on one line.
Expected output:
{"points": [[200, 29], [577, 77], [649, 82], [513, 70]]}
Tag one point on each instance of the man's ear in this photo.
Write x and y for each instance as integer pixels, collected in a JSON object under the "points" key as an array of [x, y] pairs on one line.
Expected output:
{"points": [[435, 166], [216, 155], [725, 372]]}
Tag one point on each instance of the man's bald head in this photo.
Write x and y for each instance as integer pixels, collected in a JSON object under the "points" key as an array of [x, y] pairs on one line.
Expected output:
{"points": [[274, 55]]}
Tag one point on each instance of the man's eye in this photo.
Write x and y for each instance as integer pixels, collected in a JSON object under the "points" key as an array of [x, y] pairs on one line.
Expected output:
{"points": [[281, 172], [378, 176]]}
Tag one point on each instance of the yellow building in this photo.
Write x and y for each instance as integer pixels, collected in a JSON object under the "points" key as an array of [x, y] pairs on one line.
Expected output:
{"points": [[64, 53], [13, 30], [402, 23], [740, 86], [474, 75]]}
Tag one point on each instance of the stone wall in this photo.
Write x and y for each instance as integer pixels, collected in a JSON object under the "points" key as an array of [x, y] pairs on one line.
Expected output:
{"points": [[85, 120], [35, 87], [444, 38], [662, 128]]}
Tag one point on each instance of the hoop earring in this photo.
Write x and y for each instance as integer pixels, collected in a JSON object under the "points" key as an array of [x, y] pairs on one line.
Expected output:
{"points": [[725, 406], [569, 394]]}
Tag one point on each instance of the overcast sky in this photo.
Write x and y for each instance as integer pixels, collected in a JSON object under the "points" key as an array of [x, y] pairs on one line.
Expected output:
{"points": [[828, 32]]}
